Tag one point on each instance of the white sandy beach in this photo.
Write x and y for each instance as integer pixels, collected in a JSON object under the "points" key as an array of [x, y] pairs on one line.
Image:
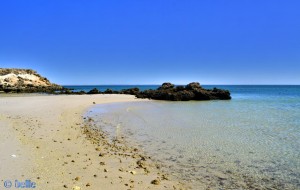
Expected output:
{"points": [[42, 140]]}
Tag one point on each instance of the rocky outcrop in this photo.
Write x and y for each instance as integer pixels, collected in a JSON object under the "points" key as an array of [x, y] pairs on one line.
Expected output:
{"points": [[168, 91], [94, 91], [131, 91], [25, 80], [192, 91]]}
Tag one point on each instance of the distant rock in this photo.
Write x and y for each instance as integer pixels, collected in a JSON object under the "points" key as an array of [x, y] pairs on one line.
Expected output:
{"points": [[25, 80], [193, 86], [109, 91], [131, 91], [192, 91], [28, 81], [94, 91], [170, 92], [166, 86]]}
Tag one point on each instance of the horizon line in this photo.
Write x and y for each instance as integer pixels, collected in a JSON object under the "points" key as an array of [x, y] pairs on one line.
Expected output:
{"points": [[178, 84]]}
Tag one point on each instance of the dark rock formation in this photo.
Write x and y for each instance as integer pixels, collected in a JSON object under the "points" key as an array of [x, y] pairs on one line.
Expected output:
{"points": [[110, 91], [193, 86], [94, 91], [168, 91], [166, 86], [131, 91], [192, 91], [28, 81]]}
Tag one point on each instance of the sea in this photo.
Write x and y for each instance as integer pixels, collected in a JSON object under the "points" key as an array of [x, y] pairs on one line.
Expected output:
{"points": [[249, 142]]}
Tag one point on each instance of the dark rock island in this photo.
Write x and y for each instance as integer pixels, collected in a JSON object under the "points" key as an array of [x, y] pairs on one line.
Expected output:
{"points": [[168, 91], [192, 91]]}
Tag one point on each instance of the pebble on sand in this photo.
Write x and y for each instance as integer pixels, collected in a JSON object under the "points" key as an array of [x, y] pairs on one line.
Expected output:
{"points": [[155, 182]]}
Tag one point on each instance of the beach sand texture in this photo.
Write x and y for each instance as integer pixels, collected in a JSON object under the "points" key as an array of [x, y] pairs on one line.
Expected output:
{"points": [[45, 139]]}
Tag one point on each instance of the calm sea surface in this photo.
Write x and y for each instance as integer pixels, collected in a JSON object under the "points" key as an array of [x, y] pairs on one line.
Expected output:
{"points": [[251, 141]]}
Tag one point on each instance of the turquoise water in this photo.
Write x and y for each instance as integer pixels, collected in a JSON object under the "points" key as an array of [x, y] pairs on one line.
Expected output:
{"points": [[251, 141], [102, 88]]}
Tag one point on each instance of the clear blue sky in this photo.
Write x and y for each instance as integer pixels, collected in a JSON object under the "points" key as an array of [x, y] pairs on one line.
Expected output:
{"points": [[153, 41]]}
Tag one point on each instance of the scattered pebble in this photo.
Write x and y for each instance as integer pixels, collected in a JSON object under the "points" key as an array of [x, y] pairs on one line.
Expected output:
{"points": [[164, 177], [101, 154], [102, 163], [155, 182]]}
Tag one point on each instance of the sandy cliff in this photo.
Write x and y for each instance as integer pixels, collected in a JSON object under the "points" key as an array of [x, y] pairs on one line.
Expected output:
{"points": [[24, 80]]}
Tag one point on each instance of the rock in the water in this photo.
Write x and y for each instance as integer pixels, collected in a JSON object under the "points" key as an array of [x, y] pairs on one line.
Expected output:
{"points": [[192, 91], [193, 86], [94, 91], [131, 91], [27, 81], [166, 85], [108, 91]]}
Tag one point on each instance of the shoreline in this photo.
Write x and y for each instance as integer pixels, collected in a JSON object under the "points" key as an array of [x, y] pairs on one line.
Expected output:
{"points": [[44, 143]]}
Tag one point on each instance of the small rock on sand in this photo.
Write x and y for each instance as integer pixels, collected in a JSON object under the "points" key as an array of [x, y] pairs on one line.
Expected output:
{"points": [[155, 182]]}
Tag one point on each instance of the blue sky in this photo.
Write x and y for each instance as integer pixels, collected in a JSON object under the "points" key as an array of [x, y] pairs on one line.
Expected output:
{"points": [[153, 41]]}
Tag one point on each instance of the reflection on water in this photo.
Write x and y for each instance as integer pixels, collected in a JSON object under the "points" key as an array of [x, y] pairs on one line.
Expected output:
{"points": [[250, 142]]}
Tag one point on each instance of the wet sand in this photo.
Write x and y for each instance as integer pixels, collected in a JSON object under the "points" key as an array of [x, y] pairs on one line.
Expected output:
{"points": [[45, 139]]}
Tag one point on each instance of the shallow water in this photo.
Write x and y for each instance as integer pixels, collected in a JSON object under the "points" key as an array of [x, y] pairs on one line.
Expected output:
{"points": [[251, 141]]}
